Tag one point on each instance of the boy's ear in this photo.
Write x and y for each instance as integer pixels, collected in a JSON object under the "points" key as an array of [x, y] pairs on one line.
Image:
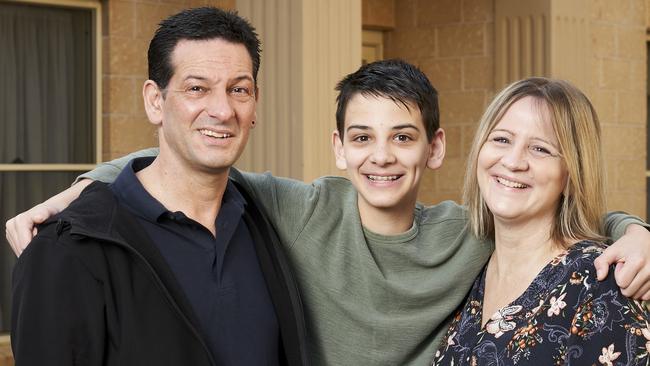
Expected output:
{"points": [[436, 150], [153, 101], [337, 146]]}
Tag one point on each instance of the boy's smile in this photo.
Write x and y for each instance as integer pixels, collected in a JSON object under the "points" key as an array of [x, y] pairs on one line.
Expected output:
{"points": [[385, 152]]}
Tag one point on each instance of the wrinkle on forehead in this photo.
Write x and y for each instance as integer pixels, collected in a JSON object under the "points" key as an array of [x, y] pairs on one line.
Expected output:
{"points": [[205, 57]]}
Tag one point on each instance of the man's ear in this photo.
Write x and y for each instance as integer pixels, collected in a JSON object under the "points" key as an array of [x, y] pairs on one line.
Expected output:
{"points": [[153, 101], [339, 154], [436, 150]]}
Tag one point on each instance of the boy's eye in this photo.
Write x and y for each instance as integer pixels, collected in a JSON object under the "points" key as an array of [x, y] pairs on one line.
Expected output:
{"points": [[403, 138]]}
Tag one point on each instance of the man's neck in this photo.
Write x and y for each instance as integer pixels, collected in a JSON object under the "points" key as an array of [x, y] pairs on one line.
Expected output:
{"points": [[178, 187], [386, 221]]}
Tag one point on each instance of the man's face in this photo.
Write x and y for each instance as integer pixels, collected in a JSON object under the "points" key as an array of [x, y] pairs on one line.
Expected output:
{"points": [[385, 152], [208, 106]]}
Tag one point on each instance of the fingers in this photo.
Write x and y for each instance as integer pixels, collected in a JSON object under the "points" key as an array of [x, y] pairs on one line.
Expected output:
{"points": [[20, 230], [12, 236], [633, 277], [602, 265]]}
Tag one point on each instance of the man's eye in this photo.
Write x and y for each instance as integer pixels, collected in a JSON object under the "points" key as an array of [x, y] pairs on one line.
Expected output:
{"points": [[240, 90], [361, 138], [196, 89]]}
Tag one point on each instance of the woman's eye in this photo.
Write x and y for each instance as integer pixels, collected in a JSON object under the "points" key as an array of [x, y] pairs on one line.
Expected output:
{"points": [[501, 140], [541, 151]]}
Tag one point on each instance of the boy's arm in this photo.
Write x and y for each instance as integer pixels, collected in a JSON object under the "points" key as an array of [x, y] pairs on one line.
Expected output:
{"points": [[20, 229], [630, 252]]}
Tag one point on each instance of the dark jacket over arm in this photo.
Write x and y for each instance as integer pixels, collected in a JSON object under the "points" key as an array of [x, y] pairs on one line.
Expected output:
{"points": [[91, 289]]}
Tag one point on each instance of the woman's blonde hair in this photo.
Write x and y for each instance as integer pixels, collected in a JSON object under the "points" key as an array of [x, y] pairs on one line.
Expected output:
{"points": [[577, 129]]}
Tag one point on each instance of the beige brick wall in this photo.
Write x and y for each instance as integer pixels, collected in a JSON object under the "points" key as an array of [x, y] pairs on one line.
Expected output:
{"points": [[128, 28], [452, 42], [378, 14], [618, 91]]}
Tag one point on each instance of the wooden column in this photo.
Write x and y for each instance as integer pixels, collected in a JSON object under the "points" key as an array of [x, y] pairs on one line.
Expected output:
{"points": [[308, 46], [542, 38]]}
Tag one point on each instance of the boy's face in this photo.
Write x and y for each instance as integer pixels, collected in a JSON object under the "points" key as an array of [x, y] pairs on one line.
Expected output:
{"points": [[385, 151]]}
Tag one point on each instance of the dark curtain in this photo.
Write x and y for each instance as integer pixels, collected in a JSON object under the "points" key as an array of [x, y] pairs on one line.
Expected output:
{"points": [[46, 109]]}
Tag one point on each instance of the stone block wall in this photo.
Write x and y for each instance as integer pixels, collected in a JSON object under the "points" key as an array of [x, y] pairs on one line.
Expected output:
{"points": [[618, 91], [128, 26], [452, 42]]}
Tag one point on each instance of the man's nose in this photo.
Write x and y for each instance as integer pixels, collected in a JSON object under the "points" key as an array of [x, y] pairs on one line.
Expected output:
{"points": [[220, 106]]}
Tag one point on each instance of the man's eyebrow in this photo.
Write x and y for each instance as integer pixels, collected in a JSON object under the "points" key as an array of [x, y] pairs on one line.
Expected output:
{"points": [[236, 79], [243, 77], [196, 77]]}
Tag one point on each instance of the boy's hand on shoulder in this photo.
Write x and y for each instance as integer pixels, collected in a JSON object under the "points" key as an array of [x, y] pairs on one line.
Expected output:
{"points": [[631, 255], [21, 229]]}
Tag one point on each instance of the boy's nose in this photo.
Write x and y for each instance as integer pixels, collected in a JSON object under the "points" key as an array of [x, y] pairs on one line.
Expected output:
{"points": [[382, 155]]}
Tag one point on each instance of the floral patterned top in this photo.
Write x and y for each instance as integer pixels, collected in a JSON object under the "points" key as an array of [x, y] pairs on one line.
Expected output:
{"points": [[565, 317]]}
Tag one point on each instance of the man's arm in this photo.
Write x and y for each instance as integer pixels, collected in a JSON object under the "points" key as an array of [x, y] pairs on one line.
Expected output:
{"points": [[58, 309]]}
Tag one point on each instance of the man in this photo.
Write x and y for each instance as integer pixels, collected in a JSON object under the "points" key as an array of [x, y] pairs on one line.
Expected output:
{"points": [[171, 264], [379, 274]]}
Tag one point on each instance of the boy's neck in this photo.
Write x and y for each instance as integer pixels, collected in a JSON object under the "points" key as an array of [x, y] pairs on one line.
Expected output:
{"points": [[386, 221]]}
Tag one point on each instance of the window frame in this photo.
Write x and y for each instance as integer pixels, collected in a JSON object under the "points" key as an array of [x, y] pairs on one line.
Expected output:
{"points": [[95, 7]]}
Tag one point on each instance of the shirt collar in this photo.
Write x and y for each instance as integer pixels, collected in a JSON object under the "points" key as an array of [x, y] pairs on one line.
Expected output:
{"points": [[131, 193]]}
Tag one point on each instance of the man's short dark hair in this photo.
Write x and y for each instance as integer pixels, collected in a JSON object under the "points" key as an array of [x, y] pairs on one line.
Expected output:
{"points": [[198, 24], [393, 79]]}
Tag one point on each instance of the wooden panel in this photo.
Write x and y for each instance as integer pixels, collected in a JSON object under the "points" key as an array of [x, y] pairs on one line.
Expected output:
{"points": [[308, 46], [542, 38]]}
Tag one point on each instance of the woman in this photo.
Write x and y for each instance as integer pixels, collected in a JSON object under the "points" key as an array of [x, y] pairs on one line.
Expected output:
{"points": [[534, 185]]}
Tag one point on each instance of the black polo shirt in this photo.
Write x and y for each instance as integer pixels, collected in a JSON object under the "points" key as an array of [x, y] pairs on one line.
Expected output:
{"points": [[220, 275]]}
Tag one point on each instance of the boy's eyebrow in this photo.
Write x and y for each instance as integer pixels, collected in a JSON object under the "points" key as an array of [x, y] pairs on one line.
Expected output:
{"points": [[406, 125], [398, 127], [360, 127]]}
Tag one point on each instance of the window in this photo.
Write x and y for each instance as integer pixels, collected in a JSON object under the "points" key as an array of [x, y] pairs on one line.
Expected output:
{"points": [[49, 100]]}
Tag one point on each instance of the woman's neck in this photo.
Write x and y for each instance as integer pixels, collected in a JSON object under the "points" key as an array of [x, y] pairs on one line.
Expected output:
{"points": [[521, 252]]}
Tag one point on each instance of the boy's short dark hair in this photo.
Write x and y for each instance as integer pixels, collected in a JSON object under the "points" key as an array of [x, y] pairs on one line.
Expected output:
{"points": [[393, 79], [198, 24]]}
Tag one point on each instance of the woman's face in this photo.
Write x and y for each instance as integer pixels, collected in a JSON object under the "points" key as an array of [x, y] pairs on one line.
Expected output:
{"points": [[520, 172]]}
